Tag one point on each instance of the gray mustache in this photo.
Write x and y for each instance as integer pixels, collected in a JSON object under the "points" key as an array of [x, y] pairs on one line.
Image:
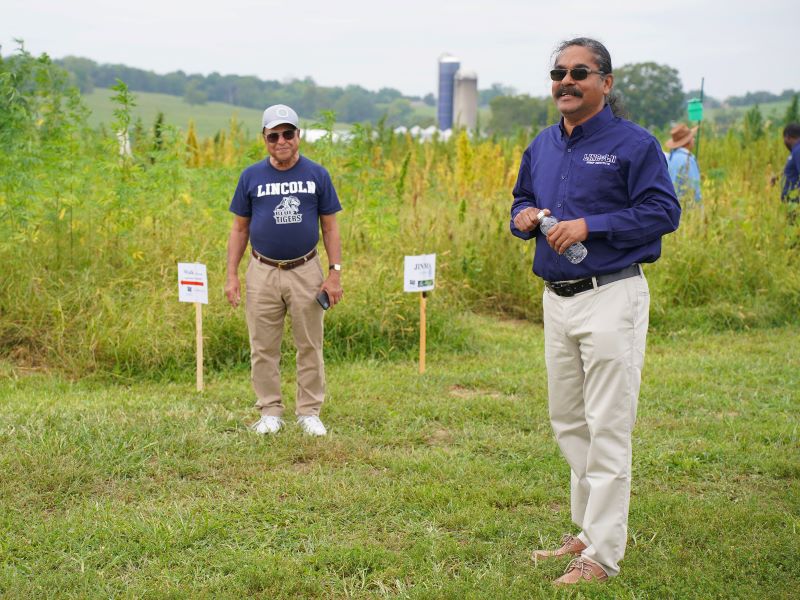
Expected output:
{"points": [[569, 89]]}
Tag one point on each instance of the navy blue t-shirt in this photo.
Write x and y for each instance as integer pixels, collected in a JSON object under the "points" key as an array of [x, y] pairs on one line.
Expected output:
{"points": [[284, 206]]}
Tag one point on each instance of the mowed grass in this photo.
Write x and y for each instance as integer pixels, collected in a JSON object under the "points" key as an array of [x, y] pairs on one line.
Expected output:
{"points": [[436, 486]]}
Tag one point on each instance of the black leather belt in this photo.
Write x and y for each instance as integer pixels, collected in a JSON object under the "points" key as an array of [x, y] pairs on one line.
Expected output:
{"points": [[285, 265], [570, 288]]}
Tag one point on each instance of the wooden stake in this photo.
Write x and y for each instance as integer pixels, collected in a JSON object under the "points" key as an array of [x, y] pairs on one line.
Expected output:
{"points": [[422, 328], [198, 318]]}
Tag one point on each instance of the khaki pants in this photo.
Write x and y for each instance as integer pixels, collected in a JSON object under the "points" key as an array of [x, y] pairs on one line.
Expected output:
{"points": [[594, 350], [271, 292]]}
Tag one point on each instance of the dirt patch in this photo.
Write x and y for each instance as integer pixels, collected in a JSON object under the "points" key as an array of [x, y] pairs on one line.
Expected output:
{"points": [[463, 392]]}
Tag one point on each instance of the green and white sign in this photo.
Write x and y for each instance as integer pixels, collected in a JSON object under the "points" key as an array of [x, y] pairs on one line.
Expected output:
{"points": [[695, 109]]}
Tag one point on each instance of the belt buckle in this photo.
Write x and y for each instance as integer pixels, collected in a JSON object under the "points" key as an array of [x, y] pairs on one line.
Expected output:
{"points": [[282, 264]]}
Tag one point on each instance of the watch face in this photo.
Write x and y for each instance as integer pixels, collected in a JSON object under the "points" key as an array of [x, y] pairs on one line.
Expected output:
{"points": [[335, 267]]}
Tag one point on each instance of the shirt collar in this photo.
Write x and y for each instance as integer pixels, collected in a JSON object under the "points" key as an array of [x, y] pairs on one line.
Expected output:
{"points": [[587, 128]]}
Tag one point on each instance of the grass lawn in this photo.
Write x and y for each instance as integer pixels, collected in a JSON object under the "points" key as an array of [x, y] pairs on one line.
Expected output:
{"points": [[427, 487]]}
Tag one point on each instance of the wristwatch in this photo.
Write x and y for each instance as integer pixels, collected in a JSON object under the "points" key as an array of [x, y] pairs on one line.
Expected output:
{"points": [[335, 267]]}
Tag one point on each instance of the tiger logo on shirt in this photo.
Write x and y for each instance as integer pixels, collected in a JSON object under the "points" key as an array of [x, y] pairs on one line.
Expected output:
{"points": [[288, 211]]}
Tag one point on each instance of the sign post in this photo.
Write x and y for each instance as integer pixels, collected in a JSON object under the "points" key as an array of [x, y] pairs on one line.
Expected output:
{"points": [[419, 276], [694, 111], [193, 287]]}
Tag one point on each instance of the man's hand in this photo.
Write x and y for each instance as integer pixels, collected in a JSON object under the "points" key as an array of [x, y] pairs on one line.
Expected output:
{"points": [[333, 286], [527, 220], [565, 233], [233, 291]]}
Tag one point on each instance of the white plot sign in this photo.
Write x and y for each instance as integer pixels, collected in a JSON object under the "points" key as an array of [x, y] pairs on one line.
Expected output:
{"points": [[420, 272], [192, 283]]}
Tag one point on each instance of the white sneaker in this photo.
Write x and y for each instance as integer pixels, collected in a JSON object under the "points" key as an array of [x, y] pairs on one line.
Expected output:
{"points": [[311, 425], [268, 424]]}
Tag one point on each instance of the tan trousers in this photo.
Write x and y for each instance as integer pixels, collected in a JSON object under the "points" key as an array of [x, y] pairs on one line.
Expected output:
{"points": [[594, 351], [271, 292]]}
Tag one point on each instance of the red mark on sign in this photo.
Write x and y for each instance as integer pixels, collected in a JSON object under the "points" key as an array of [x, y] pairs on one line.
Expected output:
{"points": [[200, 283]]}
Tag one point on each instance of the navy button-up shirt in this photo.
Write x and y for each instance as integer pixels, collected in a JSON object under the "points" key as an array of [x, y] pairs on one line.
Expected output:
{"points": [[791, 175], [613, 174]]}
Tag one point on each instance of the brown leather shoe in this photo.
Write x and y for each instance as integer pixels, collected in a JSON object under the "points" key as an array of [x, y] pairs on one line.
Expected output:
{"points": [[581, 569], [570, 545]]}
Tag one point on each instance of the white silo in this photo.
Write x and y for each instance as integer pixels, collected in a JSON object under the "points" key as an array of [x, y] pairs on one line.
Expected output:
{"points": [[465, 100]]}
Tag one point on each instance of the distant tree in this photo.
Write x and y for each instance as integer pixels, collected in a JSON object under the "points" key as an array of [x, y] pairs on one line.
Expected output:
{"points": [[708, 101], [429, 99], [355, 105], [751, 98], [497, 89], [398, 112], [792, 112], [510, 113], [386, 95], [652, 93], [193, 93], [81, 72]]}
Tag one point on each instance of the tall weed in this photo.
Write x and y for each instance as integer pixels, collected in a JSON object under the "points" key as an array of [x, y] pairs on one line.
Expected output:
{"points": [[89, 241]]}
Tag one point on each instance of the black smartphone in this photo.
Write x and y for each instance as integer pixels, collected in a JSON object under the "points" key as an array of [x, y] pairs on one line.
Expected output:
{"points": [[323, 300]]}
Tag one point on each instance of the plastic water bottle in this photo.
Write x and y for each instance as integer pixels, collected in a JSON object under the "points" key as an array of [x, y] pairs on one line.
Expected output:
{"points": [[575, 253]]}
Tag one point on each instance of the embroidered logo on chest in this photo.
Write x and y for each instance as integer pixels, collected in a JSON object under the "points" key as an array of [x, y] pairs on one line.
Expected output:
{"points": [[600, 159]]}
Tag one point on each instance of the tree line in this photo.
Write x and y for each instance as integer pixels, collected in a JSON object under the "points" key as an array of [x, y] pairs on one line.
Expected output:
{"points": [[352, 103], [648, 93]]}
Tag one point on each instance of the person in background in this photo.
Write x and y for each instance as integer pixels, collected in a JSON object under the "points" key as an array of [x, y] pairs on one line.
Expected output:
{"points": [[683, 169], [279, 206], [791, 173], [606, 180]]}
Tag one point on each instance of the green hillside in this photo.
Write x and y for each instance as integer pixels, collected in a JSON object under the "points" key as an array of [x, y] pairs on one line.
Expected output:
{"points": [[209, 118], [772, 111]]}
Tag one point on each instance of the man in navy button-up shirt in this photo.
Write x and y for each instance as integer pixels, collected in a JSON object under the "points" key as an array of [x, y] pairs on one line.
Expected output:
{"points": [[605, 179], [791, 173]]}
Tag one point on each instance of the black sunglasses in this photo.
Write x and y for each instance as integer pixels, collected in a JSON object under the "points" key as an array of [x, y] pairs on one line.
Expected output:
{"points": [[578, 73], [276, 135]]}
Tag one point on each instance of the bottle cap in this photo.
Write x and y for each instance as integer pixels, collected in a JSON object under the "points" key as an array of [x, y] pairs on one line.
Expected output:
{"points": [[541, 215]]}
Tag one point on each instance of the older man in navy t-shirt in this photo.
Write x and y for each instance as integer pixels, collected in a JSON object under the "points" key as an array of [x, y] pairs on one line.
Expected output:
{"points": [[279, 205]]}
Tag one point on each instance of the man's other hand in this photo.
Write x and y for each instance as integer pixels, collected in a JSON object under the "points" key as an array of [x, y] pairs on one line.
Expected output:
{"points": [[565, 233], [333, 287], [527, 219]]}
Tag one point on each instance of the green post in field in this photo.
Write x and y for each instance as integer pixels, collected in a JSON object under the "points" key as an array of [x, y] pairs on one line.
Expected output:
{"points": [[694, 110]]}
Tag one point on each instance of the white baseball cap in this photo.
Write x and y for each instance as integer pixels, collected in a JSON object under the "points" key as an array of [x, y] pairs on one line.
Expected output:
{"points": [[278, 114]]}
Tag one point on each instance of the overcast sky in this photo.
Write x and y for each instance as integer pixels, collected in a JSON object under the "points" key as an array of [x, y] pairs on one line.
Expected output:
{"points": [[738, 46]]}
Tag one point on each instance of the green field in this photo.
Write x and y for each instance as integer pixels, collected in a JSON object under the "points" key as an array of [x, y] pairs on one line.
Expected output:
{"points": [[773, 111], [208, 118], [212, 117], [434, 486], [118, 480]]}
